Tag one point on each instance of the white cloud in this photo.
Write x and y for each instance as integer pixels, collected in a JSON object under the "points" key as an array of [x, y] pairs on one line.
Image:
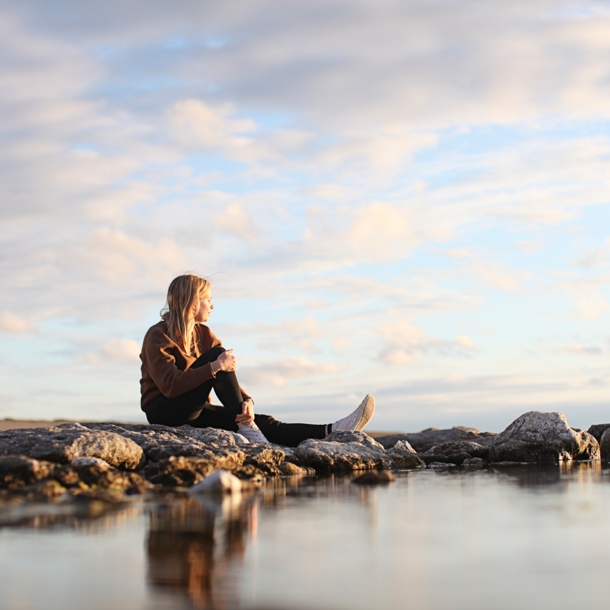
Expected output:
{"points": [[277, 373], [13, 323]]}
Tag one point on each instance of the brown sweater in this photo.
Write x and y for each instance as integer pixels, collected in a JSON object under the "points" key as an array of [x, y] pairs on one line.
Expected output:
{"points": [[166, 367]]}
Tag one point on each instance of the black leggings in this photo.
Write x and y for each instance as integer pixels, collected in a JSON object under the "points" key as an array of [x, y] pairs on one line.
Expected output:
{"points": [[192, 408]]}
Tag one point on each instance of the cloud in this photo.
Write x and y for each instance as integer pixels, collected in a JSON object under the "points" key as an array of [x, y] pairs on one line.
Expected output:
{"points": [[405, 343], [277, 373], [115, 350], [13, 323], [579, 350]]}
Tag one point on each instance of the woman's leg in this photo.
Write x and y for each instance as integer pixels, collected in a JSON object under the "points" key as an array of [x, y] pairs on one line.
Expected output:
{"points": [[289, 435], [186, 408]]}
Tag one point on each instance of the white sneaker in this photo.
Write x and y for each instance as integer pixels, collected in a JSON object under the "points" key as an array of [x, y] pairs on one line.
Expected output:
{"points": [[252, 433], [358, 419]]}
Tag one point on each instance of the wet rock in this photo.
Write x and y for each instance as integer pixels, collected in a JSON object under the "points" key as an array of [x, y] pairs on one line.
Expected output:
{"points": [[475, 462], [430, 458], [343, 451], [219, 482], [265, 458], [46, 490], [64, 443], [187, 471], [424, 440], [605, 445], [18, 471], [543, 438], [440, 465], [292, 470], [403, 456], [374, 477]]}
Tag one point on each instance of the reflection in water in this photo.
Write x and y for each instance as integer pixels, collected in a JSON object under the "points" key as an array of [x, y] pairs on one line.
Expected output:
{"points": [[196, 547]]}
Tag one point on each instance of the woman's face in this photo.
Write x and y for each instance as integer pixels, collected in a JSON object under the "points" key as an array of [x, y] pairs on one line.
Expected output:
{"points": [[203, 307]]}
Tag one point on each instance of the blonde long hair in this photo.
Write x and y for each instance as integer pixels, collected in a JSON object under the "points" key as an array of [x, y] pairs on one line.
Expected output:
{"points": [[182, 296]]}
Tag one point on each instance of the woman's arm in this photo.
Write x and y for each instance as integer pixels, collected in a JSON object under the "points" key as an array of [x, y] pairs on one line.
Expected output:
{"points": [[161, 365]]}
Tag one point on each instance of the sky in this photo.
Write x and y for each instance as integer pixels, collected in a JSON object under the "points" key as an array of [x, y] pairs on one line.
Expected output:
{"points": [[404, 198]]}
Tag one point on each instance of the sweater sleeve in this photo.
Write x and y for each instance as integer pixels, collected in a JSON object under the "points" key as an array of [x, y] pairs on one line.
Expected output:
{"points": [[160, 364]]}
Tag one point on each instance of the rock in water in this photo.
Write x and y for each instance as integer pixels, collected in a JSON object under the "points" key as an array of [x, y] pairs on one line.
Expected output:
{"points": [[343, 451], [220, 481], [374, 477], [544, 438], [70, 441], [404, 456]]}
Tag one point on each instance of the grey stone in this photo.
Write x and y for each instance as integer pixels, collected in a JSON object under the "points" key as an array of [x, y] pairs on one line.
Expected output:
{"points": [[424, 440], [473, 448], [162, 442], [219, 482], [403, 456], [64, 443], [475, 462], [440, 465], [354, 437], [597, 430], [343, 451], [545, 438]]}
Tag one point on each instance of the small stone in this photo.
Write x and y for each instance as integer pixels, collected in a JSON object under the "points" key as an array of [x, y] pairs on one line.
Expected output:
{"points": [[473, 462], [220, 481], [440, 465], [87, 462], [292, 470], [18, 471], [374, 477]]}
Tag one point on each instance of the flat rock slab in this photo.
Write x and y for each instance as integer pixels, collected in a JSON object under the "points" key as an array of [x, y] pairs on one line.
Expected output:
{"points": [[64, 443], [162, 442], [543, 438], [343, 451]]}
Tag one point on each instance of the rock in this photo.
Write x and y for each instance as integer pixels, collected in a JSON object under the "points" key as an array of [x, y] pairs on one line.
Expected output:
{"points": [[292, 470], [440, 465], [64, 443], [343, 451], [475, 462], [597, 430], [88, 462], [544, 438], [184, 471], [424, 440], [374, 477], [403, 456], [605, 445], [220, 481], [162, 442], [47, 489], [265, 458], [18, 471], [473, 448]]}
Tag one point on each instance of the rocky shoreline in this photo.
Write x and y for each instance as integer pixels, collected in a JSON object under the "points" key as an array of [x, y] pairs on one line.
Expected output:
{"points": [[114, 461]]}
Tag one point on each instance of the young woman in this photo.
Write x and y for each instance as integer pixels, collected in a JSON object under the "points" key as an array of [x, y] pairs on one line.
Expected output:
{"points": [[182, 361]]}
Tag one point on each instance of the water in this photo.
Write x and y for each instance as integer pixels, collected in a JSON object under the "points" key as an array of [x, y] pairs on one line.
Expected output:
{"points": [[510, 538]]}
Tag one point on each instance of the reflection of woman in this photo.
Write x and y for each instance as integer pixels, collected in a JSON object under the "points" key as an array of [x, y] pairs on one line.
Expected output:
{"points": [[182, 360]]}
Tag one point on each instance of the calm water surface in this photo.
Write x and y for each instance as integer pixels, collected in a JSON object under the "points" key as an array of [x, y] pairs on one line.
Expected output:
{"points": [[514, 538]]}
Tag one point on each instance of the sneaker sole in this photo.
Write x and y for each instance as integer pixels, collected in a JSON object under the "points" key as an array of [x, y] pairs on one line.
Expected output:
{"points": [[368, 408]]}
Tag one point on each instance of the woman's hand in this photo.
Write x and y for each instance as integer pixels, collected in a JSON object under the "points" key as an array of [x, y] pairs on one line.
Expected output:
{"points": [[247, 413], [226, 362]]}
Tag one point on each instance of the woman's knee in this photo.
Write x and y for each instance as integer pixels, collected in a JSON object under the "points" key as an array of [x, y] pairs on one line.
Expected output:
{"points": [[214, 352]]}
